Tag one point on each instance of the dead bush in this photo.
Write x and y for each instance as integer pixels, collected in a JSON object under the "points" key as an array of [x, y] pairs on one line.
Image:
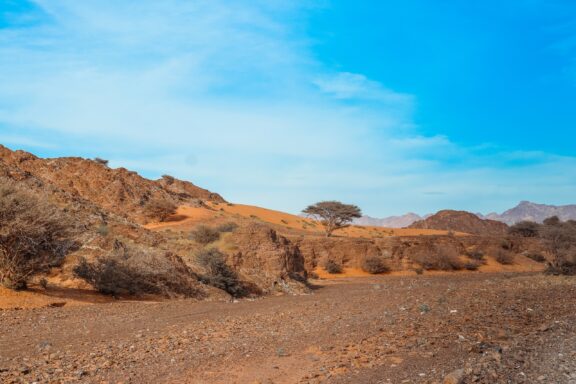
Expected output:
{"points": [[227, 227], [536, 256], [434, 258], [524, 229], [133, 270], [159, 210], [34, 235], [472, 265], [476, 255], [204, 235], [504, 257], [101, 161], [333, 267], [375, 265], [218, 273]]}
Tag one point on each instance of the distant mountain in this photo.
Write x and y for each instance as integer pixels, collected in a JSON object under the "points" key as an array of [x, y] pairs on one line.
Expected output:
{"points": [[461, 221], [527, 210], [389, 222]]}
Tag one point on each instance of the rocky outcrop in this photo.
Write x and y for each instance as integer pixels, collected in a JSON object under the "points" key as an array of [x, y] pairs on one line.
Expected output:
{"points": [[120, 191], [267, 259], [389, 222], [462, 221], [528, 211]]}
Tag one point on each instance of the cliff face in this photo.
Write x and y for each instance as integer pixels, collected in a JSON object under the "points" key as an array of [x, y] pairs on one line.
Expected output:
{"points": [[461, 221]]}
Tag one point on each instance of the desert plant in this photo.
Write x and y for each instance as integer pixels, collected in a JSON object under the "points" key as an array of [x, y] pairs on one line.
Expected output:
{"points": [[159, 210], [560, 241], [375, 265], [536, 256], [218, 273], [433, 257], [204, 235], [103, 230], [472, 265], [504, 257], [34, 235], [524, 229], [101, 161], [168, 179], [332, 267], [475, 255], [227, 227], [333, 214], [133, 270]]}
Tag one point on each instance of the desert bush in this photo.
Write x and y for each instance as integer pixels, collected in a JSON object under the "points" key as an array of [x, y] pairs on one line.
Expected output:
{"points": [[159, 210], [552, 221], [103, 230], [504, 257], [506, 244], [560, 240], [204, 235], [218, 273], [227, 227], [169, 179], [524, 229], [374, 265], [101, 161], [332, 267], [536, 256], [34, 235], [438, 259], [472, 265], [476, 255], [133, 270]]}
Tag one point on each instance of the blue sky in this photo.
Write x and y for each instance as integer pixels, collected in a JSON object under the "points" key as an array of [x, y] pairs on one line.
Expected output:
{"points": [[416, 105]]}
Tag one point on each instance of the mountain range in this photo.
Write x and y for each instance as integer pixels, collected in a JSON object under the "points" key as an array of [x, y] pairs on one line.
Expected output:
{"points": [[526, 210]]}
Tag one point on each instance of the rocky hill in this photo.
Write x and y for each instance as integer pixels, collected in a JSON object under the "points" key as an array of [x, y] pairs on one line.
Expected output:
{"points": [[529, 211], [120, 191], [461, 221], [389, 222]]}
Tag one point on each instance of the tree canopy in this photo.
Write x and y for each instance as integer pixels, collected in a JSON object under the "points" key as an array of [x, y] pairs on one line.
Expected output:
{"points": [[333, 214]]}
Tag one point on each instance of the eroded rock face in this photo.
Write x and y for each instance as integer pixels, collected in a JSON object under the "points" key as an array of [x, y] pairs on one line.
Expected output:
{"points": [[267, 259]]}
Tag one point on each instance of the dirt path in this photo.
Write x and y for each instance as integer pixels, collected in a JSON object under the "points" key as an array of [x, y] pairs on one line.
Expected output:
{"points": [[498, 328]]}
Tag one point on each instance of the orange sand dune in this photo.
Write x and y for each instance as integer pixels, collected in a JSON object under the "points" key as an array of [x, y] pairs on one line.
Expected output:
{"points": [[189, 216]]}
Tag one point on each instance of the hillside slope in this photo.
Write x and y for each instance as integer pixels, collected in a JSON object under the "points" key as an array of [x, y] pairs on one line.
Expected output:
{"points": [[462, 221]]}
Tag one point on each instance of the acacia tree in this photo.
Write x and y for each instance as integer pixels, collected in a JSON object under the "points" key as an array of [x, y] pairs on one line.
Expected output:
{"points": [[333, 214]]}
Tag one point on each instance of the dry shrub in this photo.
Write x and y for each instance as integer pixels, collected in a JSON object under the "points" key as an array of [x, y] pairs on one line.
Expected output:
{"points": [[218, 273], [536, 256], [525, 229], [472, 265], [159, 210], [134, 270], [227, 227], [504, 257], [34, 235], [333, 267], [435, 258], [374, 265], [476, 255], [204, 235], [101, 161]]}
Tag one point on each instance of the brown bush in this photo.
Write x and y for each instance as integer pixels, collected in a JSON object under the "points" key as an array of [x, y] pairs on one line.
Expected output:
{"points": [[219, 274], [435, 258], [524, 229], [133, 270], [472, 265], [101, 161], [476, 255], [536, 256], [159, 210], [34, 235], [227, 227], [332, 267], [375, 265], [204, 235], [504, 257]]}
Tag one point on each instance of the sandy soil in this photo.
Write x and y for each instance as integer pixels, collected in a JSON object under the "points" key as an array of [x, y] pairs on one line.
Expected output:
{"points": [[187, 217], [497, 328]]}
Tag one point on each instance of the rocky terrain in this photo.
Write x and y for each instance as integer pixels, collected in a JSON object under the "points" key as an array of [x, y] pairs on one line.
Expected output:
{"points": [[462, 221], [528, 211], [458, 328], [389, 222]]}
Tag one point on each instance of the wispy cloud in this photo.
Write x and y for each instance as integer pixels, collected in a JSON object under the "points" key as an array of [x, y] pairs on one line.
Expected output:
{"points": [[231, 96]]}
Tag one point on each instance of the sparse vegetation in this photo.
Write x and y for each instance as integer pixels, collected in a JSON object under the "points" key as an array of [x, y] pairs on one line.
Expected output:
{"points": [[434, 258], [131, 270], [159, 210], [103, 230], [536, 256], [168, 179], [472, 265], [375, 265], [333, 214], [476, 255], [227, 227], [218, 273], [204, 235], [101, 161], [504, 257], [34, 235], [524, 229], [333, 267]]}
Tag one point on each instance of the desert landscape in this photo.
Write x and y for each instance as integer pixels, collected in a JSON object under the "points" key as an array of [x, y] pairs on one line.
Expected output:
{"points": [[163, 281], [287, 192]]}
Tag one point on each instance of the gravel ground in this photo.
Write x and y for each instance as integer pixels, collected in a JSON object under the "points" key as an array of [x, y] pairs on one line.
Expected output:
{"points": [[457, 328]]}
